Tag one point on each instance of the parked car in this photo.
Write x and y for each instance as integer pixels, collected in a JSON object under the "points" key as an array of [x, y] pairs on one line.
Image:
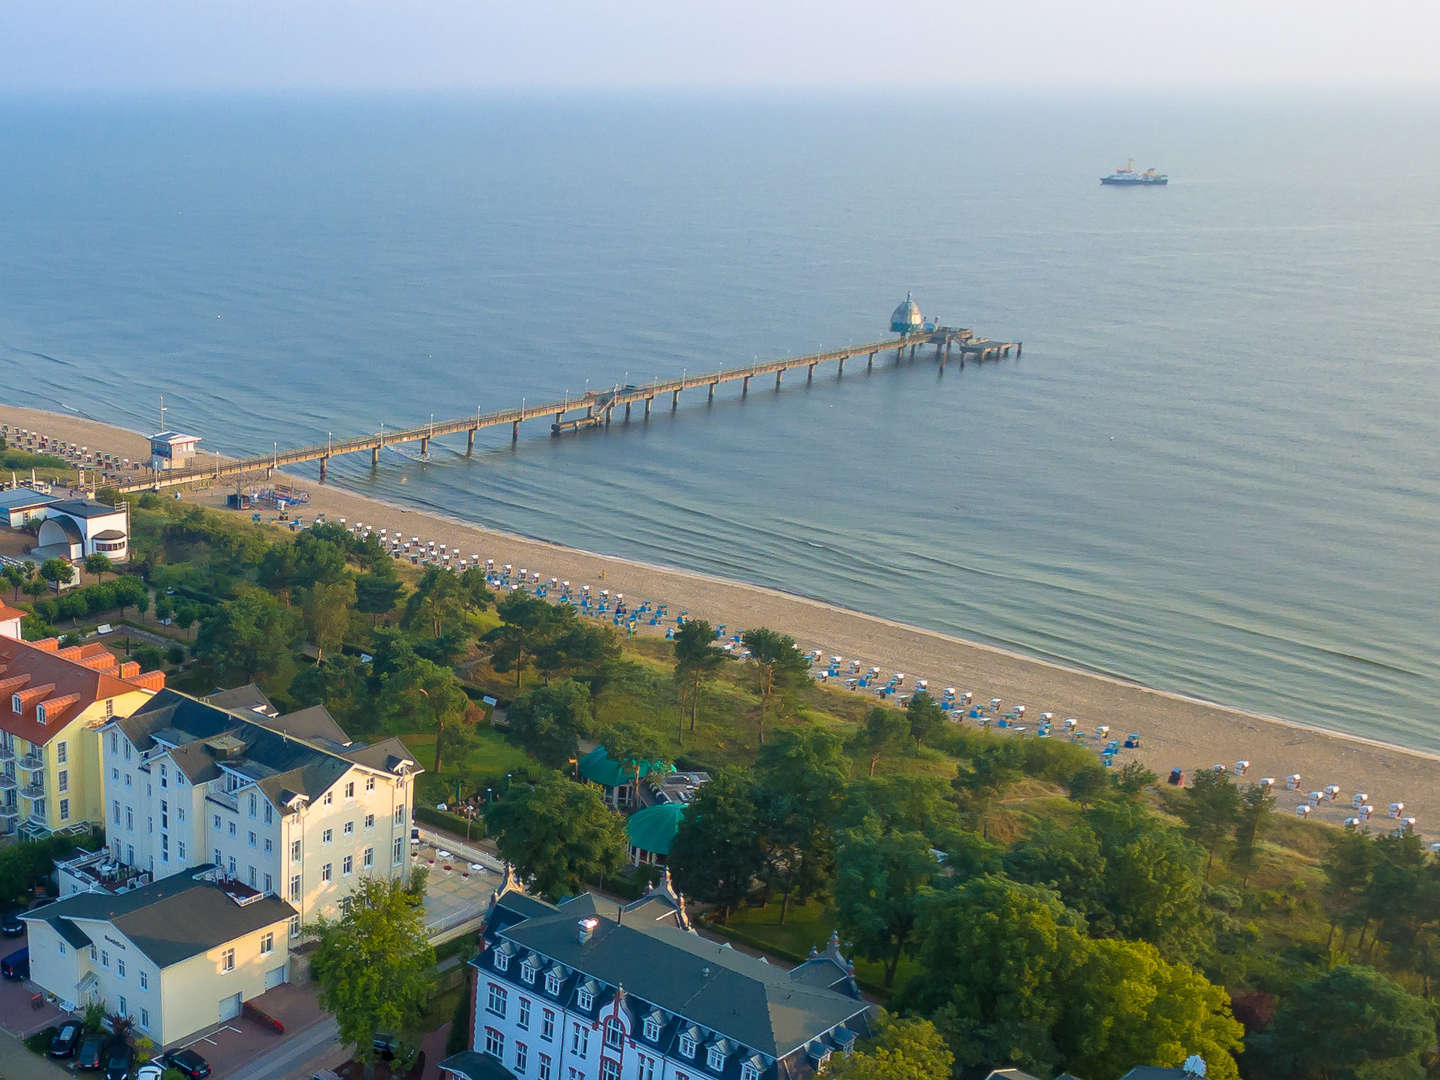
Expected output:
{"points": [[11, 925], [186, 1061], [16, 966], [92, 1052], [386, 1046], [119, 1061], [64, 1042], [326, 1074], [150, 1072]]}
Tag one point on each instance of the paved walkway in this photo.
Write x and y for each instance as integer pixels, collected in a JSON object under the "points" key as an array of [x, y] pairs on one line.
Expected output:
{"points": [[17, 1063]]}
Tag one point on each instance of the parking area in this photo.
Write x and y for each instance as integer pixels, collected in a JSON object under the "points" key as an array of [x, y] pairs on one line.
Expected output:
{"points": [[233, 1043], [461, 880], [20, 1011]]}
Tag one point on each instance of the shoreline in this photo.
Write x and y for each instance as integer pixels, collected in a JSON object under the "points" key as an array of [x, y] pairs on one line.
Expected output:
{"points": [[1177, 730]]}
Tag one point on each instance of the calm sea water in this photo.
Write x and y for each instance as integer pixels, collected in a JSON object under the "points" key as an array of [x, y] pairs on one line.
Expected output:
{"points": [[1216, 469]]}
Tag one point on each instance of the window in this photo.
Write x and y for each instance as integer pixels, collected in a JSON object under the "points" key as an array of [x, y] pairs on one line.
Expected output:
{"points": [[232, 865], [164, 847], [495, 1003], [527, 970], [609, 1069], [180, 813], [369, 821], [327, 836], [252, 804], [398, 851], [687, 1045], [217, 821], [522, 1052], [180, 850], [652, 1028], [349, 829], [524, 1014], [124, 1009], [164, 814], [325, 872], [716, 1058], [547, 1024], [61, 946], [329, 799], [295, 926], [145, 1018], [233, 829], [62, 753], [252, 839], [269, 884], [367, 859], [227, 961], [614, 1034], [114, 740], [104, 958], [748, 1071], [350, 790], [250, 871], [348, 866], [129, 780], [267, 943], [502, 961], [119, 968], [219, 859], [584, 998], [369, 783], [164, 775], [92, 954], [64, 808], [580, 1040], [543, 1071], [144, 980], [552, 982], [115, 811], [269, 845], [111, 706], [295, 851], [494, 1042], [16, 705], [295, 887], [62, 780], [400, 815], [269, 813], [646, 1071]]}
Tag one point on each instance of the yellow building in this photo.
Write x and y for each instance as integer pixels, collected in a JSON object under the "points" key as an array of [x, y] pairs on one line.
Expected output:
{"points": [[53, 702]]}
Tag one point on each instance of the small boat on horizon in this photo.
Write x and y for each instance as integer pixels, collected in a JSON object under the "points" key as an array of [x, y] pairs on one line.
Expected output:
{"points": [[1128, 177]]}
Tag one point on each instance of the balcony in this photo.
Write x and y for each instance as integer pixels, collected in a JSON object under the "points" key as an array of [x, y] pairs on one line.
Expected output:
{"points": [[33, 791], [7, 782], [32, 761], [224, 799], [7, 753], [9, 812]]}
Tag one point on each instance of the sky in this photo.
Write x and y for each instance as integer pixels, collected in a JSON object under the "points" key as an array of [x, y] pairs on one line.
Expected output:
{"points": [[418, 45]]}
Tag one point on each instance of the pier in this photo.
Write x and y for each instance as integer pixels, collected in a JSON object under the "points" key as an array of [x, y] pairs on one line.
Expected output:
{"points": [[595, 408]]}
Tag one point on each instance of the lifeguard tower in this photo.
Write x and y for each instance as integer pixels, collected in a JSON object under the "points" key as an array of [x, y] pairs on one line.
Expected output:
{"points": [[172, 450]]}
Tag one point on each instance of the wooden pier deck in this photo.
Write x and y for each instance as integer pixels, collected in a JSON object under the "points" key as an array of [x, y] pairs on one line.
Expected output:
{"points": [[597, 407]]}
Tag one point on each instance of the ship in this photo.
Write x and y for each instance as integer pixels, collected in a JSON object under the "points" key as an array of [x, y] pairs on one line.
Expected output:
{"points": [[1128, 177]]}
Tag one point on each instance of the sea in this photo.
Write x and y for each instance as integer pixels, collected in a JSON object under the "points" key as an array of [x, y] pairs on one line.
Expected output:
{"points": [[1214, 470]]}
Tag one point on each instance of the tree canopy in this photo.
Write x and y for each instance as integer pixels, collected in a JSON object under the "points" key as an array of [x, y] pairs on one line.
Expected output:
{"points": [[558, 834]]}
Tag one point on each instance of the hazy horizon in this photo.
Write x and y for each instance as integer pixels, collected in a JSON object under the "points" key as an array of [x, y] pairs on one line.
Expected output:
{"points": [[84, 46]]}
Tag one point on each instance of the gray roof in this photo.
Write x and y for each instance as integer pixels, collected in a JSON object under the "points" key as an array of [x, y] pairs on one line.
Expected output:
{"points": [[744, 998], [22, 497], [1154, 1072], [84, 508], [77, 938], [385, 754], [247, 698], [174, 918], [312, 723], [476, 1066]]}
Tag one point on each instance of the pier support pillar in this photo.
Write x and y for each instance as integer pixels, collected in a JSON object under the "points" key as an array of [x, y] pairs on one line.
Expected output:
{"points": [[674, 400], [515, 432], [323, 462], [424, 446], [948, 343], [937, 350], [648, 400], [1019, 345], [589, 412], [900, 354], [627, 412], [778, 374], [469, 441], [810, 375], [912, 352], [711, 395], [745, 386], [870, 363], [841, 369], [374, 456]]}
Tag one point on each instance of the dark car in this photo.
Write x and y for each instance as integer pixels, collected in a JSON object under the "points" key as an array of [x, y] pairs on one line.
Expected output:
{"points": [[11, 925], [118, 1062], [66, 1039], [187, 1062], [92, 1052], [16, 966], [385, 1046]]}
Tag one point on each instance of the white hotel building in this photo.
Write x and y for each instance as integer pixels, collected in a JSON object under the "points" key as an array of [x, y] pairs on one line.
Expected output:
{"points": [[590, 991], [284, 804]]}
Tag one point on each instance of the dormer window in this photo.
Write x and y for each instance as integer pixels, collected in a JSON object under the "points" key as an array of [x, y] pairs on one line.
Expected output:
{"points": [[502, 960], [527, 971], [16, 705], [652, 1027], [40, 714], [552, 981], [716, 1058], [585, 998], [687, 1045], [749, 1071]]}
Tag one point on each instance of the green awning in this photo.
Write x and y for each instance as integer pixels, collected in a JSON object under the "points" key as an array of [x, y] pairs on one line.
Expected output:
{"points": [[599, 769], [653, 829]]}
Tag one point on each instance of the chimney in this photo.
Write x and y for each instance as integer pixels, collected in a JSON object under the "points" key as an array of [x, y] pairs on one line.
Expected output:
{"points": [[586, 929], [129, 669]]}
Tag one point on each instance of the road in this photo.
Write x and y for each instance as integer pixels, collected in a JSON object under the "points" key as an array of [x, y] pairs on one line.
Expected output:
{"points": [[318, 1046]]}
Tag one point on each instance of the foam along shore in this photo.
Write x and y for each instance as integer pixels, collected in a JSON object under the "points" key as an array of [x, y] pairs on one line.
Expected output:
{"points": [[1174, 730]]}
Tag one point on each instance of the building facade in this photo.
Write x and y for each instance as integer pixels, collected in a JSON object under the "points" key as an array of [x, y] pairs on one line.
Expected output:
{"points": [[76, 528], [590, 991], [172, 449], [175, 956], [53, 702], [284, 804]]}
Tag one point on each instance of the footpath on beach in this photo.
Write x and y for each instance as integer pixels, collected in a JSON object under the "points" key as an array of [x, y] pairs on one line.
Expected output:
{"points": [[1173, 731]]}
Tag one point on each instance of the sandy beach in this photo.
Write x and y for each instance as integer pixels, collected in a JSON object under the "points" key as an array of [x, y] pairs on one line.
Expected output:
{"points": [[1175, 730]]}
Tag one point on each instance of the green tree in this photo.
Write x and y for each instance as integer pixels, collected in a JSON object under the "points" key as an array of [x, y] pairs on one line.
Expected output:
{"points": [[879, 881], [1210, 810], [35, 586], [902, 1049], [921, 804], [558, 834], [697, 661], [779, 670], [326, 609], [983, 778], [164, 607], [925, 717], [1254, 816], [1349, 868], [99, 565], [247, 635], [186, 615], [423, 693], [717, 855], [378, 591], [526, 624], [1088, 783], [800, 780], [15, 578], [438, 599], [880, 733], [374, 964], [129, 591], [338, 684], [1349, 1023], [57, 571], [1132, 779], [572, 647], [548, 721]]}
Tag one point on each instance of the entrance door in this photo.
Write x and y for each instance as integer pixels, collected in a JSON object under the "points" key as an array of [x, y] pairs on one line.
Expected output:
{"points": [[230, 1007], [274, 977]]}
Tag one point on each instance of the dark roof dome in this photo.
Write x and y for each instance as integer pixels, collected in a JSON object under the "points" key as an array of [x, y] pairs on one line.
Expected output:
{"points": [[907, 318]]}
